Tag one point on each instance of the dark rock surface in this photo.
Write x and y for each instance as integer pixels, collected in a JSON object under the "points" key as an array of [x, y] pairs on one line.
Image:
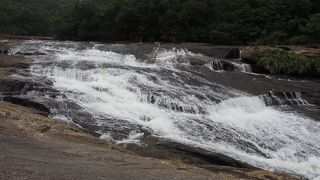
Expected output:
{"points": [[234, 54], [4, 47], [41, 109], [165, 149], [31, 53]]}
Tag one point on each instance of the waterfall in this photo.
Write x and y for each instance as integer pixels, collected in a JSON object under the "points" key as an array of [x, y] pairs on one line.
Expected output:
{"points": [[242, 67], [128, 96], [284, 98], [215, 65]]}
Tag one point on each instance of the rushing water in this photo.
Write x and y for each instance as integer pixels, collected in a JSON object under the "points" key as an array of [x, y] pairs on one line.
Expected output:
{"points": [[163, 95]]}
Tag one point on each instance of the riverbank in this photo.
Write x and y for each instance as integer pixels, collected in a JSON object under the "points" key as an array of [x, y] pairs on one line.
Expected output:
{"points": [[294, 61], [35, 147], [40, 148]]}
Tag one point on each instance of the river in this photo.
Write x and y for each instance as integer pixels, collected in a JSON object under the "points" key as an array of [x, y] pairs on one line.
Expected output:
{"points": [[125, 93]]}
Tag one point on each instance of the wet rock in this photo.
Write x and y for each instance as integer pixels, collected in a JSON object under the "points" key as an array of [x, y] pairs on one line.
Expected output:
{"points": [[165, 149], [88, 128], [21, 87], [312, 96], [31, 53], [3, 47], [284, 98], [234, 54], [15, 86], [215, 51], [227, 66], [197, 61], [40, 108], [4, 51]]}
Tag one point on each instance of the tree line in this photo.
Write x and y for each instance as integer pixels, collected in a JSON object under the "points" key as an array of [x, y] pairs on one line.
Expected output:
{"points": [[255, 22]]}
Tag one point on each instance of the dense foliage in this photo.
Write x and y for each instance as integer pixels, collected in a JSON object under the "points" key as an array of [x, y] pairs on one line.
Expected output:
{"points": [[214, 21], [283, 62], [29, 17]]}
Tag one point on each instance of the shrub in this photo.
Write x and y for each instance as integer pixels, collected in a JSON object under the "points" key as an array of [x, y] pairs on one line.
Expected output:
{"points": [[289, 63], [301, 39]]}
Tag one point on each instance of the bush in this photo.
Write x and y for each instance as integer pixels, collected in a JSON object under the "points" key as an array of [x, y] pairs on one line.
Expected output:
{"points": [[228, 22], [289, 63], [301, 39]]}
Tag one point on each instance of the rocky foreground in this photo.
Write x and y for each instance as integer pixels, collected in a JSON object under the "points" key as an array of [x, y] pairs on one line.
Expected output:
{"points": [[33, 146]]}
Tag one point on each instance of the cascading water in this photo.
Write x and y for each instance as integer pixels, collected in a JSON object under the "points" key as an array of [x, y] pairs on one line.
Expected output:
{"points": [[131, 96], [242, 67], [289, 98], [215, 65]]}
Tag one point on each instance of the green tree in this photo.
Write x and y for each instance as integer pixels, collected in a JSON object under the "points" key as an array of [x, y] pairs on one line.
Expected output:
{"points": [[312, 28]]}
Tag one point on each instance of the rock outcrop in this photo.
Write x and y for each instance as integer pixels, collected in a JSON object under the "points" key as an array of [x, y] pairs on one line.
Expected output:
{"points": [[234, 53]]}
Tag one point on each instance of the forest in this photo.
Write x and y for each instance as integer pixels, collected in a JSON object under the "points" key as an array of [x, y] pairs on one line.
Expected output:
{"points": [[245, 22]]}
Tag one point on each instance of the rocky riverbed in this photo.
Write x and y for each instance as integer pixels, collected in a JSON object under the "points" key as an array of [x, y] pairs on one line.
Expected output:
{"points": [[36, 147], [17, 83]]}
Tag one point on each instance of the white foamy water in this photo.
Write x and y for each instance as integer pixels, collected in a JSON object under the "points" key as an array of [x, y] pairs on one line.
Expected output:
{"points": [[183, 107], [242, 67]]}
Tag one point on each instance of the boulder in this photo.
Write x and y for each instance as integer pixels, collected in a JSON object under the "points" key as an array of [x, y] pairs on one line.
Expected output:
{"points": [[228, 66], [234, 53]]}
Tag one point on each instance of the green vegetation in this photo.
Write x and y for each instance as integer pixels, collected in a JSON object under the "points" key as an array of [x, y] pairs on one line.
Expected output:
{"points": [[214, 21], [31, 17], [283, 62]]}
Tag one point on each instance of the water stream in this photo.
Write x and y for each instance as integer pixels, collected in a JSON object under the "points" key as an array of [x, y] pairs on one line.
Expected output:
{"points": [[130, 97]]}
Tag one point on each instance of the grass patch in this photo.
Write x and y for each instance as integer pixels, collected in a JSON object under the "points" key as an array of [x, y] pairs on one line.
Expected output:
{"points": [[289, 63]]}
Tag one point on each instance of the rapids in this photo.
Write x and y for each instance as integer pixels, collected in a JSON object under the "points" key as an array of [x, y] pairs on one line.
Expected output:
{"points": [[161, 93]]}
